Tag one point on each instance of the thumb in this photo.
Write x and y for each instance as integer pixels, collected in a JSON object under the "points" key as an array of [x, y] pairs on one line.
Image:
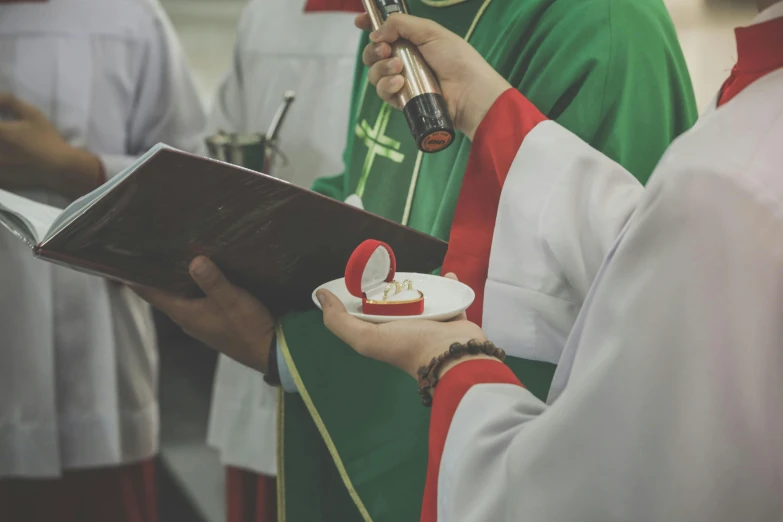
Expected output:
{"points": [[418, 31], [330, 303], [452, 276], [212, 282], [342, 324], [20, 109]]}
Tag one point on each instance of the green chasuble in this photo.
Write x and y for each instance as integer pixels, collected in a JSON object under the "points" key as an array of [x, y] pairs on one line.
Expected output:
{"points": [[353, 443]]}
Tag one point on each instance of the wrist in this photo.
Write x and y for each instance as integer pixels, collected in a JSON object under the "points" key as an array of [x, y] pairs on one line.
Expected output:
{"points": [[76, 173], [429, 376], [425, 357], [477, 105], [84, 166], [449, 365]]}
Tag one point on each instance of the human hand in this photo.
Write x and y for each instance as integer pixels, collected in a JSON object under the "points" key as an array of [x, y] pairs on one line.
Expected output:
{"points": [[228, 319], [408, 344], [34, 155], [470, 85]]}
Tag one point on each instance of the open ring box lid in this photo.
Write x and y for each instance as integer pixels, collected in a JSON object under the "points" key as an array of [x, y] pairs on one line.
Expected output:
{"points": [[369, 271]]}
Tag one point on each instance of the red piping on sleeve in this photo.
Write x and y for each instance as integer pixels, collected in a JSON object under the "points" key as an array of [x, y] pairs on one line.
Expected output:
{"points": [[495, 146], [448, 394]]}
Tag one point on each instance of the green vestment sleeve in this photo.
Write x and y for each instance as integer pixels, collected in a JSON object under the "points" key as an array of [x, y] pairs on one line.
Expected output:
{"points": [[355, 437], [630, 92]]}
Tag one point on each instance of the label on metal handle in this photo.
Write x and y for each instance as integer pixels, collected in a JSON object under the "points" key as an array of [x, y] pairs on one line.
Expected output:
{"points": [[420, 98], [390, 7]]}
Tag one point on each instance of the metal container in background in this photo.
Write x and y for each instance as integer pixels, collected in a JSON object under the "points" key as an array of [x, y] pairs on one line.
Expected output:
{"points": [[252, 151]]}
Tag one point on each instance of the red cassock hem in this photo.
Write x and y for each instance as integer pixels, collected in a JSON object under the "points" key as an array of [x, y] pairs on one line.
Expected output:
{"points": [[118, 494], [250, 497], [495, 145], [448, 395]]}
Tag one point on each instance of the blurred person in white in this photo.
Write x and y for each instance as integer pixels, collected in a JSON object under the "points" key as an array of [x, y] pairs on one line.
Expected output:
{"points": [[85, 87], [308, 47]]}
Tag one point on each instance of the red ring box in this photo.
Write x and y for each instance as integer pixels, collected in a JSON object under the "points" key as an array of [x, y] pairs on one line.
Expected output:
{"points": [[370, 269]]}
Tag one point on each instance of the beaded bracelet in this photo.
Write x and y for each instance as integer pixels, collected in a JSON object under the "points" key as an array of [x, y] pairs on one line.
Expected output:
{"points": [[430, 375]]}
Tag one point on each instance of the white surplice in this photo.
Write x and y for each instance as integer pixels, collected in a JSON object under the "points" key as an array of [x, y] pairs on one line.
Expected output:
{"points": [[280, 47], [78, 355], [666, 405]]}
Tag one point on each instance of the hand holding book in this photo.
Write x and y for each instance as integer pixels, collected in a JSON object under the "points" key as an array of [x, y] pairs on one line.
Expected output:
{"points": [[227, 319], [276, 242]]}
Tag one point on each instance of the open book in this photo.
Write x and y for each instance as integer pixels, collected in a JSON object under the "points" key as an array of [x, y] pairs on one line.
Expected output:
{"points": [[145, 225]]}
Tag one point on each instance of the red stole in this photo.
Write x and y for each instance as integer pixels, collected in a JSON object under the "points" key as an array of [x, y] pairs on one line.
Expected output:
{"points": [[759, 52], [353, 6]]}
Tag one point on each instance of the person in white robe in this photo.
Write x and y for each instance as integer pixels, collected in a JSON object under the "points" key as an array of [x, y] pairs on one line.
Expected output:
{"points": [[666, 400], [281, 45], [85, 87]]}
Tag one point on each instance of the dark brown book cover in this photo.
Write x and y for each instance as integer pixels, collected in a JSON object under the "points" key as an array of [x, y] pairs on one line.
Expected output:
{"points": [[275, 239]]}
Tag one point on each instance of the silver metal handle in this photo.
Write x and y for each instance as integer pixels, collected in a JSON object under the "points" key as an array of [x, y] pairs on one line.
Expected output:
{"points": [[277, 121]]}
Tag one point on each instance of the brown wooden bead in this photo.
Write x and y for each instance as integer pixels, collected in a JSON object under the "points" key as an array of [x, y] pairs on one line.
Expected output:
{"points": [[429, 375]]}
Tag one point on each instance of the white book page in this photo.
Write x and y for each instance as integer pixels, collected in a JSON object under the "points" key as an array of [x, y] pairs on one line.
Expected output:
{"points": [[26, 218]]}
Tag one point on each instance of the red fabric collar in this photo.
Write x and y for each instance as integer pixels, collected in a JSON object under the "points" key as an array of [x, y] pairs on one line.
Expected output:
{"points": [[353, 6], [760, 47], [759, 52]]}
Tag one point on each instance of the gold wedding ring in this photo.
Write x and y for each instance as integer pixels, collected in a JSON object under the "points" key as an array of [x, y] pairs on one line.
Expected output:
{"points": [[394, 285], [397, 287]]}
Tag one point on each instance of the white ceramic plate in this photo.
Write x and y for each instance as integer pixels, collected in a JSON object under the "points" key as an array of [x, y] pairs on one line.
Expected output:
{"points": [[444, 299]]}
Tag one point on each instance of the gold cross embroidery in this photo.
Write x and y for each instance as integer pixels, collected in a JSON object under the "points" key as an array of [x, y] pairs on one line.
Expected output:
{"points": [[378, 144]]}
